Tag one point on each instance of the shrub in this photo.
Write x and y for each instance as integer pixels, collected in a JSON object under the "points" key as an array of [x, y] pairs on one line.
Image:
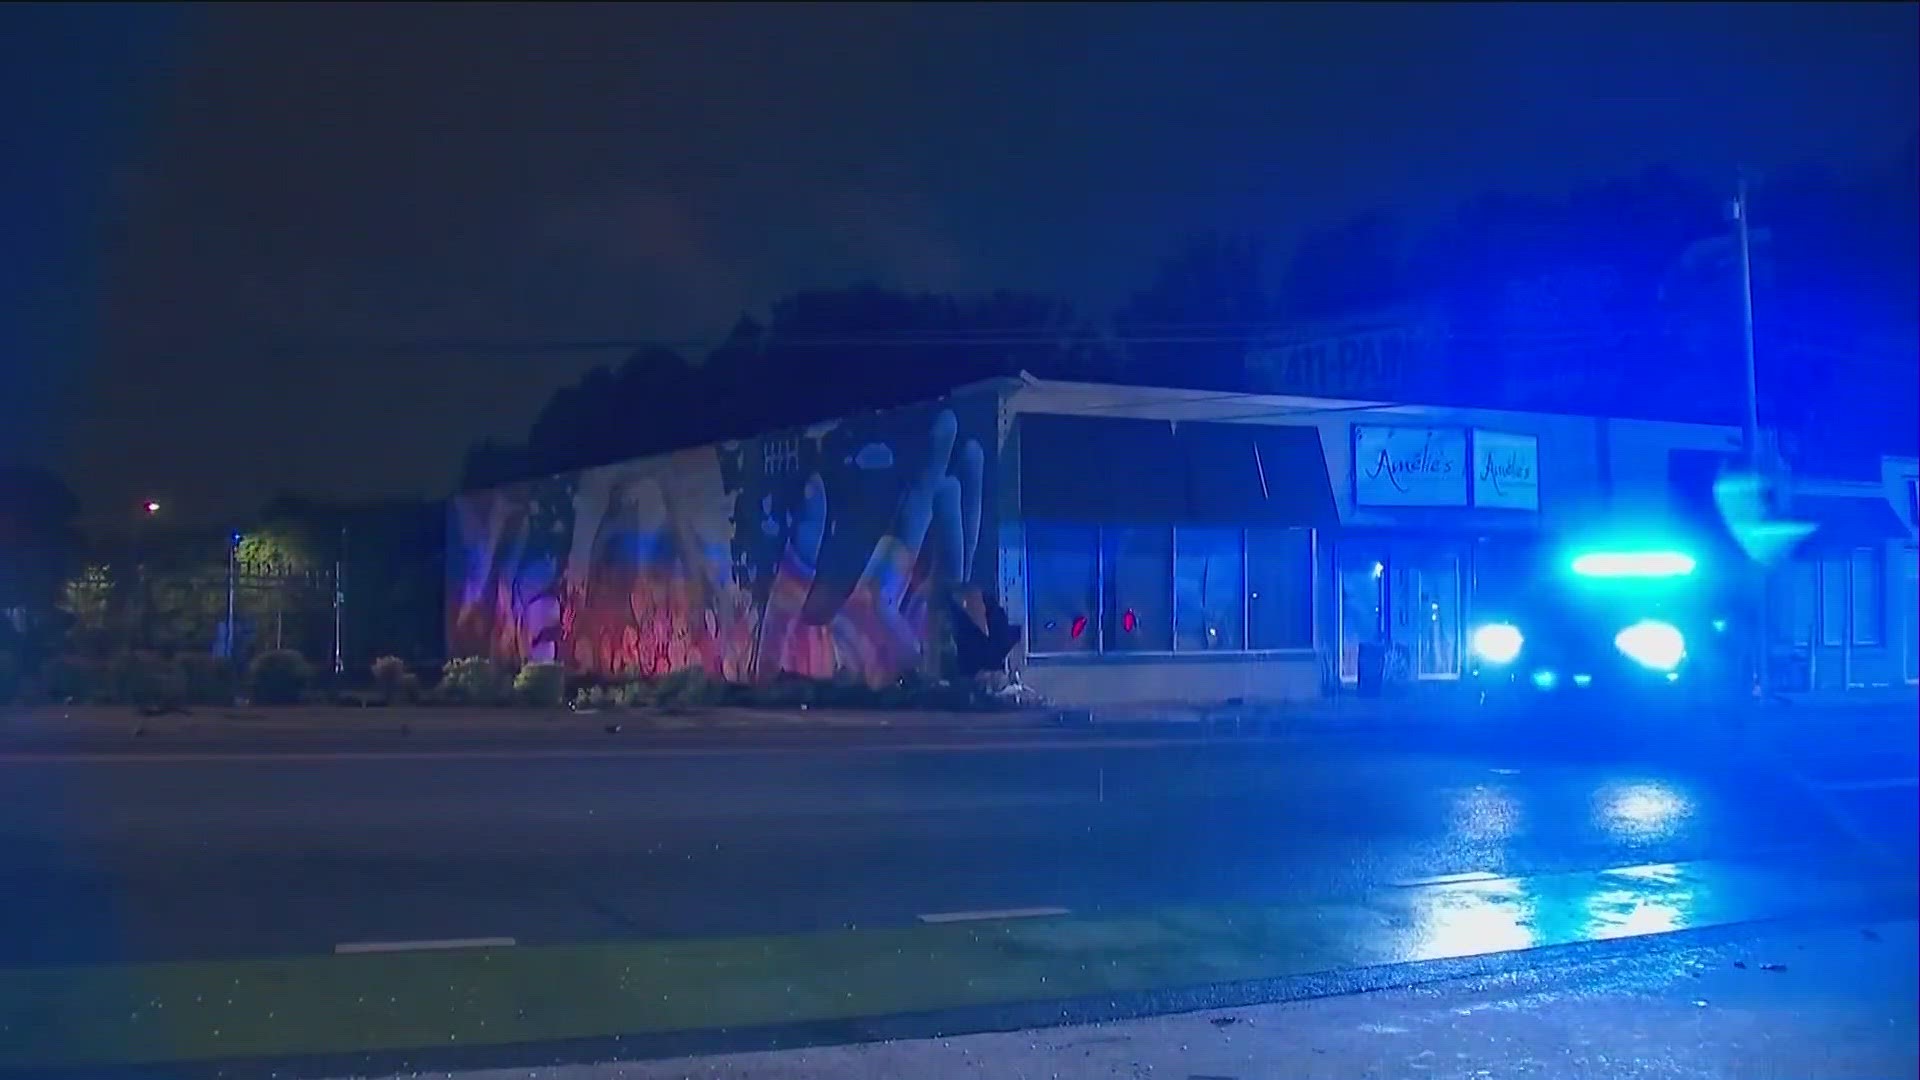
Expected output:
{"points": [[688, 688], [208, 679], [473, 680], [785, 691], [390, 674], [278, 676], [149, 681], [541, 686], [79, 680], [9, 677]]}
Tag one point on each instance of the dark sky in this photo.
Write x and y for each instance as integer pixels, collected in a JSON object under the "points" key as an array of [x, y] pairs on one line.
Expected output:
{"points": [[292, 189]]}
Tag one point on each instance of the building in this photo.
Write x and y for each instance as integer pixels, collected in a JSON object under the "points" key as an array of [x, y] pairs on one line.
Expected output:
{"points": [[1156, 544], [1847, 607]]}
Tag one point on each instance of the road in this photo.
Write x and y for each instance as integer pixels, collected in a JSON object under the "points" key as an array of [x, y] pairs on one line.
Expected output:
{"points": [[839, 860]]}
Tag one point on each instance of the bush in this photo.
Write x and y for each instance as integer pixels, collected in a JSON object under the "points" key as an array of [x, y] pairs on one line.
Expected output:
{"points": [[78, 680], [541, 686], [391, 676], [149, 681], [688, 688], [278, 676], [10, 687], [474, 680], [209, 679]]}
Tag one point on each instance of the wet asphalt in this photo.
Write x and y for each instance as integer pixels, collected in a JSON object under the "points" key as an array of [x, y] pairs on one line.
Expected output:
{"points": [[145, 857]]}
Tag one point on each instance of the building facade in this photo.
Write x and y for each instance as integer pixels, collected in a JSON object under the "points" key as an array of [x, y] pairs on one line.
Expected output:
{"points": [[1156, 545]]}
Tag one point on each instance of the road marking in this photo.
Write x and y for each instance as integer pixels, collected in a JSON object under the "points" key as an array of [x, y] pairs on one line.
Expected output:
{"points": [[1004, 913], [1448, 879], [1504, 772], [190, 757], [1891, 783], [347, 947]]}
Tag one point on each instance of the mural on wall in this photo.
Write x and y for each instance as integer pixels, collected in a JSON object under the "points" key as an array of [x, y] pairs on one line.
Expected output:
{"points": [[823, 553]]}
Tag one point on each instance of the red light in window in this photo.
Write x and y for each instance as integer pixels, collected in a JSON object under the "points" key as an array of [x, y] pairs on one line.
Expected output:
{"points": [[1079, 627], [1129, 621]]}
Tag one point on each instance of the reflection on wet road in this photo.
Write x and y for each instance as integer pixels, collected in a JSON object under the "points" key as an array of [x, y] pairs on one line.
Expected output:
{"points": [[661, 895]]}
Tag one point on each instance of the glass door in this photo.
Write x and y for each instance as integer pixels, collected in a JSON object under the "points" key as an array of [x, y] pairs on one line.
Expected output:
{"points": [[1361, 577], [1425, 607]]}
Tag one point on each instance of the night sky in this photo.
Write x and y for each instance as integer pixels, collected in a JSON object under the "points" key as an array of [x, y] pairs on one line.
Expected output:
{"points": [[234, 213]]}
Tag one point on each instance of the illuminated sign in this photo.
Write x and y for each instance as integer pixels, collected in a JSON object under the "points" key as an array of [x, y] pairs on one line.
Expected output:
{"points": [[1409, 466], [1506, 471]]}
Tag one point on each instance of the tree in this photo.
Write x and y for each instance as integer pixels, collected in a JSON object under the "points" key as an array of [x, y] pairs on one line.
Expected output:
{"points": [[1192, 325], [38, 537], [1359, 266], [821, 354]]}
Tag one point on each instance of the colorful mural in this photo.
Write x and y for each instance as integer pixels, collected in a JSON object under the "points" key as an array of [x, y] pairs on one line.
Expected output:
{"points": [[824, 553]]}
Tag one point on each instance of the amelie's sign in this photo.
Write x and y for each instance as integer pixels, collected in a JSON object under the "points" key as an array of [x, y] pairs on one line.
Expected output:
{"points": [[1409, 466], [1506, 470]]}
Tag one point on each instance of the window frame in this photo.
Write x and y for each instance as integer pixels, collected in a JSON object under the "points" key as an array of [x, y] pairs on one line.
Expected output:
{"points": [[1846, 562], [1101, 653]]}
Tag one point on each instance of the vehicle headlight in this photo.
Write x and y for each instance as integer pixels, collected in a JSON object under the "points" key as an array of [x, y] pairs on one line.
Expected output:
{"points": [[1497, 643], [1653, 644]]}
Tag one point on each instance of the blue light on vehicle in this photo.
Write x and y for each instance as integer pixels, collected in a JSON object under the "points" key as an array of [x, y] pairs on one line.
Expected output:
{"points": [[1652, 644], [1497, 643], [1633, 564], [1583, 681], [1545, 679]]}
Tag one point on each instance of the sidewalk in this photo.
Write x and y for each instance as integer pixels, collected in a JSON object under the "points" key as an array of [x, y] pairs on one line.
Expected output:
{"points": [[1411, 722], [1828, 1004]]}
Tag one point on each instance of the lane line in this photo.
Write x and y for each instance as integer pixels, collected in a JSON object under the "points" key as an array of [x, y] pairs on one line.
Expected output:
{"points": [[1004, 913], [1891, 783], [189, 757], [441, 944]]}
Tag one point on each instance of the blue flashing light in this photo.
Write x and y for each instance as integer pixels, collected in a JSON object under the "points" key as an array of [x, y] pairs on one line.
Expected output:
{"points": [[1634, 564], [1583, 681], [1545, 679], [1653, 644], [1497, 643]]}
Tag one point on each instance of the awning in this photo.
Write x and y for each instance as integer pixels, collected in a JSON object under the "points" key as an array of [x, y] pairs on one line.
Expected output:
{"points": [[1842, 521], [1121, 470]]}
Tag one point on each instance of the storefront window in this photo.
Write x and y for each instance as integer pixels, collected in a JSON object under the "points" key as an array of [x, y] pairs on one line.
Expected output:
{"points": [[1424, 605], [1280, 589], [1362, 580], [1209, 588], [1910, 608], [1869, 596], [1852, 599], [1117, 589], [1139, 596], [1062, 588]]}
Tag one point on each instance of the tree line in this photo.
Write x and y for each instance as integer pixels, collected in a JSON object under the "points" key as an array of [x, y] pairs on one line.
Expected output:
{"points": [[1619, 298]]}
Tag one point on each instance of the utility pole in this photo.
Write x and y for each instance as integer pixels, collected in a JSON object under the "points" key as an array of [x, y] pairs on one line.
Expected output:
{"points": [[233, 566], [339, 600], [1757, 458]]}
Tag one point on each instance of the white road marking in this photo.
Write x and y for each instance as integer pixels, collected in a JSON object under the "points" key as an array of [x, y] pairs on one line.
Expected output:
{"points": [[984, 916], [295, 757], [347, 947], [1448, 879], [1891, 783]]}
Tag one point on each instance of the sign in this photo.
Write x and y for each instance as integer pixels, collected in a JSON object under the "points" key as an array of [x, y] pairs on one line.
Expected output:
{"points": [[1385, 362], [1506, 471], [1409, 466]]}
